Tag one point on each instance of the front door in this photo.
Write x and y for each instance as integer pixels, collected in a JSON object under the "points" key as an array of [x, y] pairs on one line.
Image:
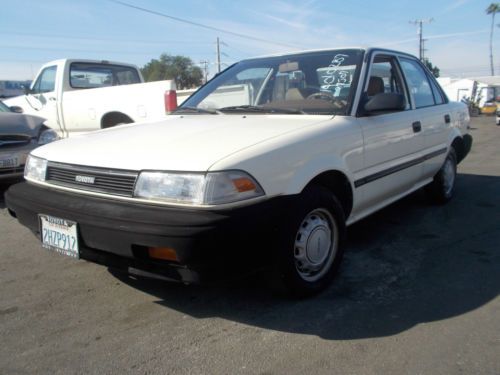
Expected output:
{"points": [[392, 140], [42, 98]]}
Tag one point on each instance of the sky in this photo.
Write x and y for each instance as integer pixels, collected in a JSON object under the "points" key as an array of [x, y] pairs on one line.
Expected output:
{"points": [[33, 32]]}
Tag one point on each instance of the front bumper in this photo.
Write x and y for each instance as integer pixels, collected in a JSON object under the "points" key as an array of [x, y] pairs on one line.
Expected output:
{"points": [[7, 174], [118, 233]]}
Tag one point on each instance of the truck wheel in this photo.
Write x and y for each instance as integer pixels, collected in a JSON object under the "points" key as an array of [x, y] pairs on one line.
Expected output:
{"points": [[442, 187], [311, 245]]}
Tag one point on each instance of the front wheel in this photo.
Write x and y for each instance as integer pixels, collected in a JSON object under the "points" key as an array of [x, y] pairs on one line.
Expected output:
{"points": [[441, 189], [311, 242]]}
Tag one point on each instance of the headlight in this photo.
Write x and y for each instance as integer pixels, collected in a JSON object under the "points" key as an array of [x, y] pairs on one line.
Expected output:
{"points": [[192, 188], [47, 136], [35, 168]]}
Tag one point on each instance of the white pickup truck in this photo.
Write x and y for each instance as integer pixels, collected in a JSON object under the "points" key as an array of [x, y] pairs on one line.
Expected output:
{"points": [[78, 96], [265, 164]]}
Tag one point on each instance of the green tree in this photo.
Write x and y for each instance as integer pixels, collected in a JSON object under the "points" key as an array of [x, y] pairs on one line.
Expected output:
{"points": [[434, 69], [179, 68], [492, 9]]}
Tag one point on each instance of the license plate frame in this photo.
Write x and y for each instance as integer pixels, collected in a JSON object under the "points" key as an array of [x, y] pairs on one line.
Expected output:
{"points": [[9, 161], [59, 235]]}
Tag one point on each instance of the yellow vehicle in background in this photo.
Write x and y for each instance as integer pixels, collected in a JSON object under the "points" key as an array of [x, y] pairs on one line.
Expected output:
{"points": [[489, 108]]}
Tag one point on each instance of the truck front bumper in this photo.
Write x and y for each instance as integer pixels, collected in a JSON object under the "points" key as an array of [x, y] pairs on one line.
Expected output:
{"points": [[118, 234]]}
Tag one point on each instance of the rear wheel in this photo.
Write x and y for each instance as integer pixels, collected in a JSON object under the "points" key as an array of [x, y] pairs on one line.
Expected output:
{"points": [[312, 242], [441, 189]]}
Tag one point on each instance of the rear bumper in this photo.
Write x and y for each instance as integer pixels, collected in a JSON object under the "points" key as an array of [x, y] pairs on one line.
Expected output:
{"points": [[118, 234]]}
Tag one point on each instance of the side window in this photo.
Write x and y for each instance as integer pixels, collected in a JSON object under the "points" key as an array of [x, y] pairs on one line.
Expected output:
{"points": [[385, 77], [438, 97], [418, 83], [46, 82]]}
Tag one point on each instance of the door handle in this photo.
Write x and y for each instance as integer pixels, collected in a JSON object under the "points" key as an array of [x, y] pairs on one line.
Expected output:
{"points": [[417, 126], [447, 119], [52, 99]]}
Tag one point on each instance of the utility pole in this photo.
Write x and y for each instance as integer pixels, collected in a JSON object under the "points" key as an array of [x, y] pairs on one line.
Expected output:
{"points": [[419, 23], [423, 49], [217, 54], [205, 63]]}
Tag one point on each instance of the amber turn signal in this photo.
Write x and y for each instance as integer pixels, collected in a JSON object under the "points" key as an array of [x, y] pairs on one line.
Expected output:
{"points": [[164, 253], [243, 184]]}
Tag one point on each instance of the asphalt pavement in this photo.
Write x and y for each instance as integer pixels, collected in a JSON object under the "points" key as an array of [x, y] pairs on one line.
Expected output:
{"points": [[417, 293]]}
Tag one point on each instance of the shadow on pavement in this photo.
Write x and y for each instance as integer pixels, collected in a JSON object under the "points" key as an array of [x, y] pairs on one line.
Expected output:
{"points": [[4, 186], [410, 263]]}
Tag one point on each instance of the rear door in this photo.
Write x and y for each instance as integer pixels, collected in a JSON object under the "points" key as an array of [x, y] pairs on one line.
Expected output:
{"points": [[432, 111]]}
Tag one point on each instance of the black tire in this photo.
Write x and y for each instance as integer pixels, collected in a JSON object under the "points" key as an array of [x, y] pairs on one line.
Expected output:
{"points": [[441, 189], [316, 210]]}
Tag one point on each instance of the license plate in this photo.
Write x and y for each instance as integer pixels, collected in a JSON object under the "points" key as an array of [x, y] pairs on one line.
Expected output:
{"points": [[9, 162], [59, 235]]}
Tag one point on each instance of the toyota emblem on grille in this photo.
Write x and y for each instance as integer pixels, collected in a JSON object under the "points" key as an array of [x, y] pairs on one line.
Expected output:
{"points": [[85, 179]]}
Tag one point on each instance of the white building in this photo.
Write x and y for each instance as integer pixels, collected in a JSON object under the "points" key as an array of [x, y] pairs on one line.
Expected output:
{"points": [[483, 89]]}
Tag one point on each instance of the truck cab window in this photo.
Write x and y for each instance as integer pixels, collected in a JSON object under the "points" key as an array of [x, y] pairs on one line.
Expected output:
{"points": [[46, 82], [93, 75]]}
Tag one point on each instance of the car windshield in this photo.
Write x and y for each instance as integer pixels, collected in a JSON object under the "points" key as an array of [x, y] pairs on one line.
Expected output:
{"points": [[4, 108], [308, 83]]}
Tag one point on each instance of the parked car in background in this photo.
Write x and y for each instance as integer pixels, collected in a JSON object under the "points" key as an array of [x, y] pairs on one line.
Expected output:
{"points": [[265, 164], [78, 96], [19, 134], [10, 88]]}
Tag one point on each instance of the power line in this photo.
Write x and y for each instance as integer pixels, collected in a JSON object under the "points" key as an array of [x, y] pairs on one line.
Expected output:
{"points": [[200, 24], [93, 38]]}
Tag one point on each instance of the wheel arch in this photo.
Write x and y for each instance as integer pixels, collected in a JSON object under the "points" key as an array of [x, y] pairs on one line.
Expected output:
{"points": [[114, 118], [337, 182]]}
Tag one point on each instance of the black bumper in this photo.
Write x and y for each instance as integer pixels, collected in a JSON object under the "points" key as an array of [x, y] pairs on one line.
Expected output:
{"points": [[467, 146], [118, 233]]}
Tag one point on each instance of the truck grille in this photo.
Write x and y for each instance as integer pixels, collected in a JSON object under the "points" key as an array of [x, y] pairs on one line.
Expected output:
{"points": [[7, 171], [12, 140], [102, 180]]}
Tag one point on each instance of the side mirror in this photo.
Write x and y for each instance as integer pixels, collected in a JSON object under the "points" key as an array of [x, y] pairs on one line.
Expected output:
{"points": [[27, 90], [385, 102], [16, 109]]}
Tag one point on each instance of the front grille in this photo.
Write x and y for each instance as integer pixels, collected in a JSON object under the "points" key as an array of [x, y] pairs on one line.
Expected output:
{"points": [[13, 140], [102, 180]]}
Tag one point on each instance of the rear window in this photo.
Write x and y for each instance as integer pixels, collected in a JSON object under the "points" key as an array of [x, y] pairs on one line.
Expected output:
{"points": [[93, 75]]}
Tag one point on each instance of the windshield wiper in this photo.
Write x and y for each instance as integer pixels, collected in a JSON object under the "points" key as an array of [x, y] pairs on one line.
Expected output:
{"points": [[259, 109], [188, 109]]}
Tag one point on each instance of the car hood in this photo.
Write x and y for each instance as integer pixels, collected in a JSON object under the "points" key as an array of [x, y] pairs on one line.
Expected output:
{"points": [[179, 143], [17, 123]]}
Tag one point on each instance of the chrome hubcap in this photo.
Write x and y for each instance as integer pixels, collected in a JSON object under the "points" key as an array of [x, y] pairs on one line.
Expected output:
{"points": [[448, 176], [315, 245]]}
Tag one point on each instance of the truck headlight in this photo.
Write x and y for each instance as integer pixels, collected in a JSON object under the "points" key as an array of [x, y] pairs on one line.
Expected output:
{"points": [[197, 188], [47, 136], [35, 168]]}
